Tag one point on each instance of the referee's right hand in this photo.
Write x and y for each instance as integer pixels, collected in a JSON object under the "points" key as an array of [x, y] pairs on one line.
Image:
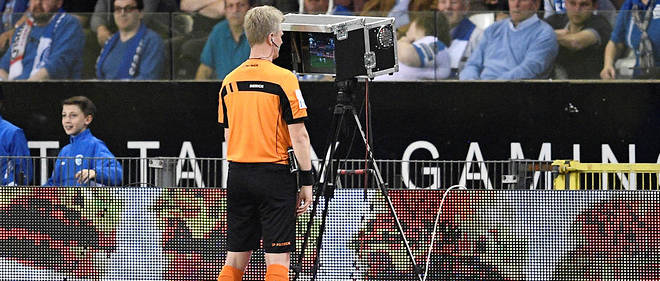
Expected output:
{"points": [[304, 199]]}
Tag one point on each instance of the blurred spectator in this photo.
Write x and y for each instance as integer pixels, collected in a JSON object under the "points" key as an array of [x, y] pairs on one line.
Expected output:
{"points": [[323, 7], [12, 11], [423, 52], [102, 22], [48, 46], [376, 8], [604, 8], [86, 160], [286, 6], [637, 27], [349, 7], [13, 144], [404, 9], [227, 46], [214, 9], [135, 52], [520, 47], [315, 6], [581, 36], [83, 10], [464, 34], [186, 49]]}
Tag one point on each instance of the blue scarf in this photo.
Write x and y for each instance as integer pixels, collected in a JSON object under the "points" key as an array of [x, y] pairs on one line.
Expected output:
{"points": [[43, 49], [131, 59]]}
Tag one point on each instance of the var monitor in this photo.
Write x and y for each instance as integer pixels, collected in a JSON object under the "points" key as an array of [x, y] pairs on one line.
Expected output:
{"points": [[343, 46]]}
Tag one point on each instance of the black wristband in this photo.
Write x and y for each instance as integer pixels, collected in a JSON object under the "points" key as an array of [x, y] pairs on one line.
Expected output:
{"points": [[306, 177]]}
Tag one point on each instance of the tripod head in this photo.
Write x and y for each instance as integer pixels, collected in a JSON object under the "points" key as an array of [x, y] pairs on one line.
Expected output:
{"points": [[345, 91]]}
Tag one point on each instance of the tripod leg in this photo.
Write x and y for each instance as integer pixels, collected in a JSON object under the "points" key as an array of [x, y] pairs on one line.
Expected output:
{"points": [[297, 268], [319, 239], [327, 191], [381, 186], [326, 171]]}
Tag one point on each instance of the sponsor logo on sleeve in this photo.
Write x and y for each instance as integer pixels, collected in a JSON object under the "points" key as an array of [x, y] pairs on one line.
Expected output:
{"points": [[301, 101]]}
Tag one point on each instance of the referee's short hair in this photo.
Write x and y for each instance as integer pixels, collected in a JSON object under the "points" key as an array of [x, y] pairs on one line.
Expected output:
{"points": [[261, 21]]}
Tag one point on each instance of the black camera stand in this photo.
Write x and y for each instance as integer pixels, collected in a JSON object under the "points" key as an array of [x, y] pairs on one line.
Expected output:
{"points": [[328, 171]]}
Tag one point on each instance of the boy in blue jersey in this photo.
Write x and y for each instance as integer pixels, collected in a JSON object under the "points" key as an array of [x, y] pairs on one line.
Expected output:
{"points": [[13, 144], [86, 160]]}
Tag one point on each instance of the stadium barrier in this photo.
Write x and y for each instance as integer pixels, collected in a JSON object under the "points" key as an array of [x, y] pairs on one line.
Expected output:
{"points": [[158, 223], [397, 174], [209, 172], [630, 176]]}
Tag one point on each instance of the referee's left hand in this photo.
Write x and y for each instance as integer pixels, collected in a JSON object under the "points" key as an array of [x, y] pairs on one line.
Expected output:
{"points": [[304, 199]]}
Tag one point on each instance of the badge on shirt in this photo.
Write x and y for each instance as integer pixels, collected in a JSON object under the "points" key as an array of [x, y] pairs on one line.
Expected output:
{"points": [[79, 159], [301, 101], [656, 12]]}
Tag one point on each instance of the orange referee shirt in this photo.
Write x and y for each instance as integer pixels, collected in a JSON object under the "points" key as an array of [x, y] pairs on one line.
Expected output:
{"points": [[258, 100]]}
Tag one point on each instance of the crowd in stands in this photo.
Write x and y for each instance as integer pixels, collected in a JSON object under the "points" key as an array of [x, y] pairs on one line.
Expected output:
{"points": [[437, 39]]}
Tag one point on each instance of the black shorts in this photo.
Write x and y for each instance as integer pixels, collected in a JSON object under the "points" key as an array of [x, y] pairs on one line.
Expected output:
{"points": [[261, 204]]}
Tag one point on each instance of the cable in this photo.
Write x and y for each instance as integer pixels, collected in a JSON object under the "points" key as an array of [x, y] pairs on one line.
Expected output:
{"points": [[367, 147], [435, 227]]}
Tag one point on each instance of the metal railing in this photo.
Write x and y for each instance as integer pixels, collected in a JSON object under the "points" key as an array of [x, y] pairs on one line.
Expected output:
{"points": [[211, 172], [629, 176], [397, 174]]}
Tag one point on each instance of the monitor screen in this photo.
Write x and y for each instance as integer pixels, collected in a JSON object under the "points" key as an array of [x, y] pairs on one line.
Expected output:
{"points": [[318, 52]]}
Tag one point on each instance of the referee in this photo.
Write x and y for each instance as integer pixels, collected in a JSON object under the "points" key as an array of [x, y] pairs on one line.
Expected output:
{"points": [[262, 110]]}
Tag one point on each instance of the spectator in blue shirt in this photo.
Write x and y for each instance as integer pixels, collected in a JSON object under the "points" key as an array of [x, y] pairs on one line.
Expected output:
{"points": [[12, 11], [86, 160], [636, 17], [155, 12], [47, 46], [227, 46], [135, 52], [13, 144], [520, 47]]}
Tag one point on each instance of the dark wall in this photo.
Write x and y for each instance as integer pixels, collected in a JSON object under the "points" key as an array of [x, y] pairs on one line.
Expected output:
{"points": [[449, 115]]}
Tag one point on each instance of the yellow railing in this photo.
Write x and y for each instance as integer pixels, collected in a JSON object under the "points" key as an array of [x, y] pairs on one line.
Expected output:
{"points": [[630, 176]]}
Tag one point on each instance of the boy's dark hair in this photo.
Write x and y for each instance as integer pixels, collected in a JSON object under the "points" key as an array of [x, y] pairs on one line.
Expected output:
{"points": [[434, 24], [86, 105]]}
